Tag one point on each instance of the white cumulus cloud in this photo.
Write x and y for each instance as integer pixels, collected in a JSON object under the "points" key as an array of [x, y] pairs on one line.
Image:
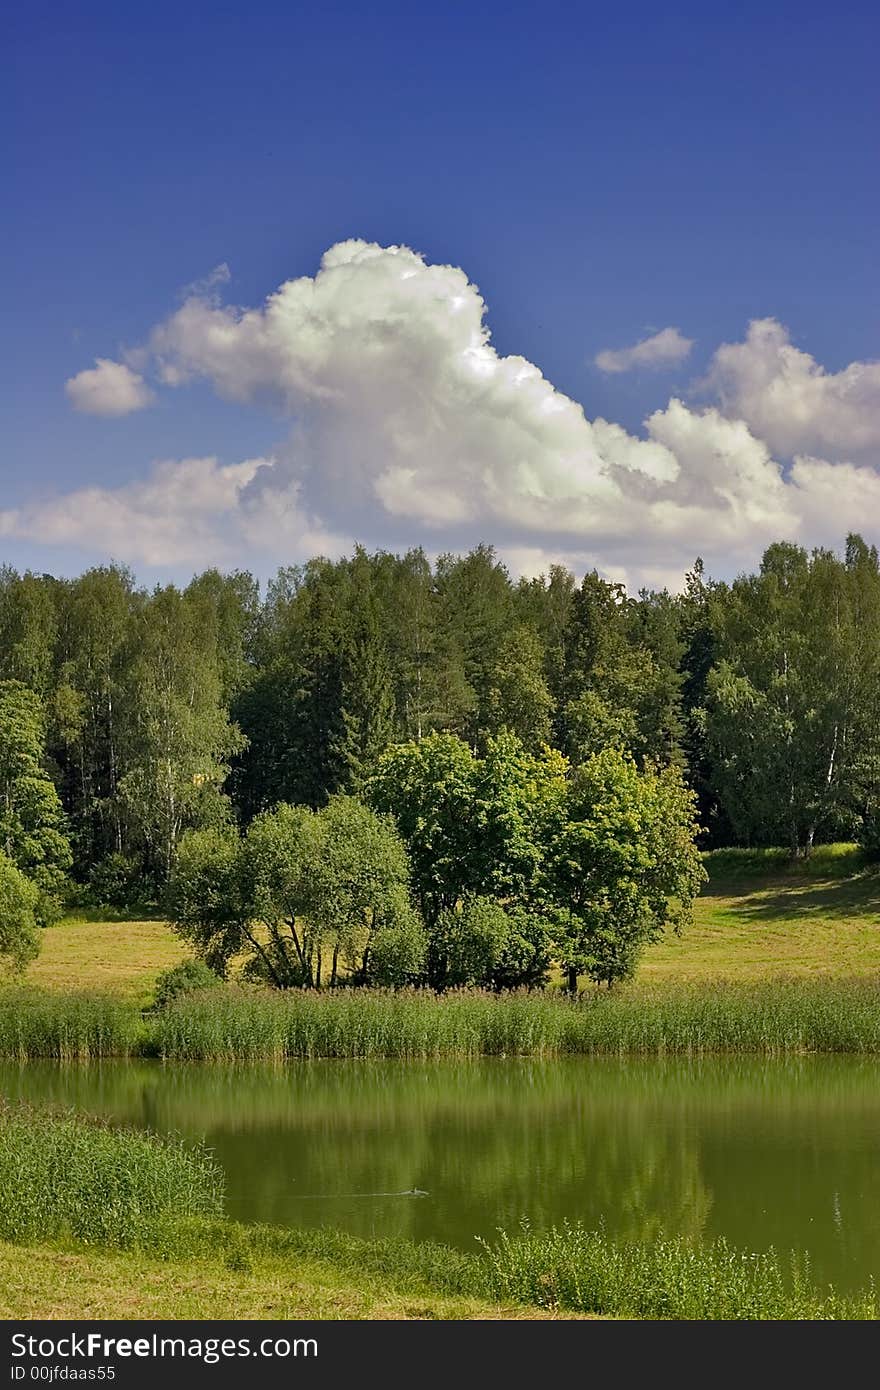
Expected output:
{"points": [[407, 426], [790, 400], [108, 388], [664, 349]]}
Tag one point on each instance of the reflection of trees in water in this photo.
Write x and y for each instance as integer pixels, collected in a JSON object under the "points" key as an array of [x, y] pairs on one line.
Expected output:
{"points": [[760, 1150]]}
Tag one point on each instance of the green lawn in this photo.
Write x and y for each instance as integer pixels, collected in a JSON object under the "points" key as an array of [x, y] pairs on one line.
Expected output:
{"points": [[123, 957]]}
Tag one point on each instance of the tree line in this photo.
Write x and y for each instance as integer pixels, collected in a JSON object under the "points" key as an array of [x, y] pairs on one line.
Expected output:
{"points": [[130, 717]]}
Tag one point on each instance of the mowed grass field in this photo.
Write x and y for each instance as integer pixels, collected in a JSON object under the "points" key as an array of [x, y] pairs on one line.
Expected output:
{"points": [[760, 916]]}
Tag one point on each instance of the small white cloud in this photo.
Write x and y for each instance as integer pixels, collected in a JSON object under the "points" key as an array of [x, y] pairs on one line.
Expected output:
{"points": [[663, 349], [108, 388], [790, 400], [207, 285]]}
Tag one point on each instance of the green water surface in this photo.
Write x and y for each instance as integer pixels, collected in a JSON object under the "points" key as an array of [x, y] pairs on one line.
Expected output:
{"points": [[780, 1153]]}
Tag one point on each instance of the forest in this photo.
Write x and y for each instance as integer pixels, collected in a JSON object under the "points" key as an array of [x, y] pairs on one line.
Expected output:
{"points": [[436, 728]]}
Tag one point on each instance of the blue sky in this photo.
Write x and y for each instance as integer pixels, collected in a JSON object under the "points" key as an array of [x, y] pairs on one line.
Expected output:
{"points": [[601, 174]]}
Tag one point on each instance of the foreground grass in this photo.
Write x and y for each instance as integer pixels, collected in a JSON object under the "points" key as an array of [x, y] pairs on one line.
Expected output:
{"points": [[261, 1272], [65, 1176], [47, 1283]]}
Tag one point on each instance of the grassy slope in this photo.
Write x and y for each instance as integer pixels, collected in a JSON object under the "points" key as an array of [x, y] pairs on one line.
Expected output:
{"points": [[760, 916], [123, 957]]}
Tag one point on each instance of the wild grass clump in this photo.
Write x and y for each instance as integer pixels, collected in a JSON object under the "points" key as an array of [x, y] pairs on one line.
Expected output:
{"points": [[75, 1027], [586, 1271], [63, 1177], [234, 1024]]}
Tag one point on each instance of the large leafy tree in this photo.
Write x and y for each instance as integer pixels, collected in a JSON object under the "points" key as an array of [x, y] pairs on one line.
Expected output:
{"points": [[622, 865], [519, 698], [28, 628], [621, 686], [301, 887], [96, 617], [178, 735], [32, 824], [475, 828]]}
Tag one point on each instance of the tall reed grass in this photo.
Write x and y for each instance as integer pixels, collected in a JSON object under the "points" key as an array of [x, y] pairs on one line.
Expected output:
{"points": [[777, 1017], [78, 1026], [65, 1177], [586, 1271], [237, 1024]]}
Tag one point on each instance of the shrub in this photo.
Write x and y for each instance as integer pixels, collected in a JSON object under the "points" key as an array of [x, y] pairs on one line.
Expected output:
{"points": [[188, 977], [120, 881], [19, 919], [397, 954]]}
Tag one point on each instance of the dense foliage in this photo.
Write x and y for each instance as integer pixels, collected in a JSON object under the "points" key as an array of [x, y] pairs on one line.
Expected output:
{"points": [[535, 744]]}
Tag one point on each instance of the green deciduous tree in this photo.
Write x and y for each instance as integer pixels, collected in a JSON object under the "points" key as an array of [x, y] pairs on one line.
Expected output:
{"points": [[519, 698], [32, 825], [622, 866], [297, 885], [178, 735], [792, 700], [476, 830]]}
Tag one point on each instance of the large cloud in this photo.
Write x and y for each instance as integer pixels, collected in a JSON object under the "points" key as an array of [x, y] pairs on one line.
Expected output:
{"points": [[407, 426], [108, 388], [664, 349], [791, 401]]}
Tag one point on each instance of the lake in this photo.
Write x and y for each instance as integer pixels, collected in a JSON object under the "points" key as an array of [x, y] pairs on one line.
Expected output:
{"points": [[764, 1152]]}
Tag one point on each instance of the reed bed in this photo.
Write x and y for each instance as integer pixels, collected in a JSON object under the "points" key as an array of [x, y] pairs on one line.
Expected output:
{"points": [[586, 1271], [78, 1026], [63, 1177], [773, 1018], [237, 1024]]}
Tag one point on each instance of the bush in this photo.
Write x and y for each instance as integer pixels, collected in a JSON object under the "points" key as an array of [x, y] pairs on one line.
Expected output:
{"points": [[398, 954], [467, 943], [188, 977], [485, 944], [19, 916]]}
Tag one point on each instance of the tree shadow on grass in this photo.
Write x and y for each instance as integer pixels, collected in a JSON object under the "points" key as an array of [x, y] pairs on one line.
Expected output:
{"points": [[856, 896]]}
